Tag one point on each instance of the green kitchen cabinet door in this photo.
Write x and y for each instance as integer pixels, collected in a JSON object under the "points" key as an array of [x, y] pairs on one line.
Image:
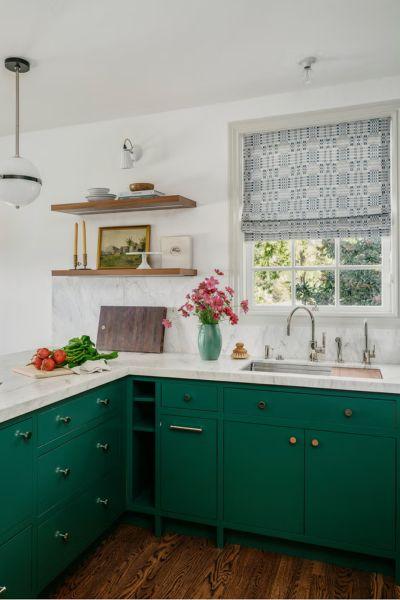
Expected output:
{"points": [[16, 474], [350, 489], [16, 566], [188, 466], [264, 477]]}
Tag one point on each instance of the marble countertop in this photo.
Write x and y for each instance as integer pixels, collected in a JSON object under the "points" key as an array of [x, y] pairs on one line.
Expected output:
{"points": [[20, 395]]}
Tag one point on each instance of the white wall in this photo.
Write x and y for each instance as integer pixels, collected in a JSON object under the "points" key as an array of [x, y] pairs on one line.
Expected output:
{"points": [[185, 152]]}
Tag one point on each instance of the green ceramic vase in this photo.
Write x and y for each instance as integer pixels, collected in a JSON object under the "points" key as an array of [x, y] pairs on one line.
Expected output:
{"points": [[210, 342]]}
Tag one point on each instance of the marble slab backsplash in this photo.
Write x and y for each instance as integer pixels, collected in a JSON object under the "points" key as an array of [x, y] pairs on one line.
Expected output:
{"points": [[77, 302]]}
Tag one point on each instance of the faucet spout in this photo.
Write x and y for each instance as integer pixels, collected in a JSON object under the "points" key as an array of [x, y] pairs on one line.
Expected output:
{"points": [[289, 320]]}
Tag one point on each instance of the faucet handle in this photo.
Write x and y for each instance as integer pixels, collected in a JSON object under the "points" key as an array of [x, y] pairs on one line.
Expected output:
{"points": [[324, 339]]}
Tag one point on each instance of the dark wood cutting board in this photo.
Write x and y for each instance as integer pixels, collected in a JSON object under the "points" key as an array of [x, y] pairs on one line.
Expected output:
{"points": [[131, 328]]}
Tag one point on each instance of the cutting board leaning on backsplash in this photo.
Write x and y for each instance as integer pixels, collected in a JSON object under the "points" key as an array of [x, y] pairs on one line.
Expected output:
{"points": [[131, 328]]}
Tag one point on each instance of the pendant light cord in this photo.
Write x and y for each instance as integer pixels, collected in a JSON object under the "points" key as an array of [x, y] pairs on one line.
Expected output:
{"points": [[17, 111]]}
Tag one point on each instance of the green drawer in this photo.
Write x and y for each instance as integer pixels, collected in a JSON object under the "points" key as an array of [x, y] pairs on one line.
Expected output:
{"points": [[67, 533], [342, 410], [16, 473], [68, 416], [82, 459], [189, 394], [16, 566]]}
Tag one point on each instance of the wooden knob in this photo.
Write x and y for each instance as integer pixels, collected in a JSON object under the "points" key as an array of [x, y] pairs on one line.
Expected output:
{"points": [[292, 440], [314, 443]]}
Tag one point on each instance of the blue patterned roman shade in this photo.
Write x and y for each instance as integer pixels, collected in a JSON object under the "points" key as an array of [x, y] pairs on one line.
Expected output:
{"points": [[315, 182]]}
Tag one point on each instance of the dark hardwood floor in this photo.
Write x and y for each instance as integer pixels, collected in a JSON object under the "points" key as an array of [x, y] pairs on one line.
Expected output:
{"points": [[132, 563]]}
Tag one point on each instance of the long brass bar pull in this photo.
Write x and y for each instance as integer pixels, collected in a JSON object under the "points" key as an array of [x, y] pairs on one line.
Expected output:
{"points": [[182, 428]]}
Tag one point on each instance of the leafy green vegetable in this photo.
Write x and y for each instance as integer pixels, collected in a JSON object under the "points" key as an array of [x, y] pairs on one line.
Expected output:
{"points": [[79, 350]]}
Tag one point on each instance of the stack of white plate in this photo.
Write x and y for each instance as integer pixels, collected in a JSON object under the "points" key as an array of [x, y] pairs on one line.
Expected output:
{"points": [[99, 193]]}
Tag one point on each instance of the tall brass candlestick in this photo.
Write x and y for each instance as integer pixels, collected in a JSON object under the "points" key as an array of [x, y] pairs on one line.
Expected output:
{"points": [[84, 245], [76, 246]]}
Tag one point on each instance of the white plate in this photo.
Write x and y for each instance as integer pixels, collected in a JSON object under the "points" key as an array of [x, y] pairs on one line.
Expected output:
{"points": [[92, 191]]}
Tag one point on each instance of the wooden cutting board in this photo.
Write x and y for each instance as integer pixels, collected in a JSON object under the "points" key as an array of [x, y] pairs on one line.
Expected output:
{"points": [[31, 371], [131, 328]]}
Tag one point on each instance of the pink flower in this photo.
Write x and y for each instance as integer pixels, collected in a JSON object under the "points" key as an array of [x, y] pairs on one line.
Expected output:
{"points": [[230, 290], [167, 323], [218, 272], [234, 319], [244, 305]]}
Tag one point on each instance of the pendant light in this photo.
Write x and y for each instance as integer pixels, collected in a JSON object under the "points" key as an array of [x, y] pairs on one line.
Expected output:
{"points": [[20, 182]]}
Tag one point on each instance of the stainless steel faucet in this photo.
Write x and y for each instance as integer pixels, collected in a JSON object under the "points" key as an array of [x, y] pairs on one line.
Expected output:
{"points": [[367, 353], [315, 350]]}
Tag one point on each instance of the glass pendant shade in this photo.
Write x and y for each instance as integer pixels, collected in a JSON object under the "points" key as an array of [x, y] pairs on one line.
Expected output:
{"points": [[20, 182]]}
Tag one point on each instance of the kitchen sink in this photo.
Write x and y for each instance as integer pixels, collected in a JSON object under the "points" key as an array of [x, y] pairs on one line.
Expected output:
{"points": [[316, 369]]}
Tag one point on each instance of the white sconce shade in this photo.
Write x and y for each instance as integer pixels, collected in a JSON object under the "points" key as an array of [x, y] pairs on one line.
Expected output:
{"points": [[20, 182], [130, 154]]}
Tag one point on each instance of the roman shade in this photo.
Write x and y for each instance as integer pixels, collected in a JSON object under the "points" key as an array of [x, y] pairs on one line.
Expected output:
{"points": [[322, 181]]}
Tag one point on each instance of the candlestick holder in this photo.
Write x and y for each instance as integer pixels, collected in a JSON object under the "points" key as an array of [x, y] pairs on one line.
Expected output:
{"points": [[76, 262], [85, 260]]}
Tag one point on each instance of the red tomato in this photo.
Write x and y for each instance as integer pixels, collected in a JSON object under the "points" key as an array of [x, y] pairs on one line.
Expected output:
{"points": [[59, 356], [48, 364], [37, 362], [43, 353]]}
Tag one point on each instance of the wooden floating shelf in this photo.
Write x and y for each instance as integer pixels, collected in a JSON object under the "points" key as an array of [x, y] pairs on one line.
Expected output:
{"points": [[125, 273], [131, 205]]}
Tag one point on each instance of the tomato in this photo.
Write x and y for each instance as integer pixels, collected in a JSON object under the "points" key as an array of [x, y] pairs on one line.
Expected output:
{"points": [[48, 364], [59, 356], [37, 362], [43, 353]]}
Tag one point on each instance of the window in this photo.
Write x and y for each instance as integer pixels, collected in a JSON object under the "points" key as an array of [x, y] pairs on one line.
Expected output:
{"points": [[336, 274]]}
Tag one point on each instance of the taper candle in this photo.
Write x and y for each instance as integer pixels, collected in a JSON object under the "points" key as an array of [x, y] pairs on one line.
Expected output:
{"points": [[84, 237], [76, 239]]}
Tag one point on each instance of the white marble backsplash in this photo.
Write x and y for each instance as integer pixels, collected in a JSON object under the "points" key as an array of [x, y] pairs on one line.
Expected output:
{"points": [[77, 301]]}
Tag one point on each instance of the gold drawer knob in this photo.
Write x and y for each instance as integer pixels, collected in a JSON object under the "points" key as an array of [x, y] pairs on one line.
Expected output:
{"points": [[63, 536], [187, 397], [314, 443], [64, 472], [292, 440], [105, 447], [348, 412], [64, 420], [104, 501], [261, 405], [24, 435]]}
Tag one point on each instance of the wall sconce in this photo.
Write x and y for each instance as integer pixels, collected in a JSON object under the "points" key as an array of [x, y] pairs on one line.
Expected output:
{"points": [[130, 154]]}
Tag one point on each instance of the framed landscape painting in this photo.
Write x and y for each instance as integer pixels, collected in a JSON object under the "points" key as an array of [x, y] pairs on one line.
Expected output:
{"points": [[116, 242]]}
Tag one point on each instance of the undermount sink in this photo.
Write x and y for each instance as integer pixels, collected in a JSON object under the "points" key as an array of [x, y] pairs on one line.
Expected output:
{"points": [[316, 369]]}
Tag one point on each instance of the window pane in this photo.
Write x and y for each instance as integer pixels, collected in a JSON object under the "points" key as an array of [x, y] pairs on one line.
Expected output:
{"points": [[360, 288], [359, 251], [311, 253], [272, 254], [315, 287], [272, 287]]}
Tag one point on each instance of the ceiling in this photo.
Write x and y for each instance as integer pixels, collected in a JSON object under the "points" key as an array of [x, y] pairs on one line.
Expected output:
{"points": [[102, 59]]}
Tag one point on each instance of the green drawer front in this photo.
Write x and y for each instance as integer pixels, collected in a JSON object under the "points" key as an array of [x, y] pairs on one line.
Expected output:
{"points": [[16, 566], [67, 533], [341, 410], [16, 469], [189, 394], [68, 416], [70, 466]]}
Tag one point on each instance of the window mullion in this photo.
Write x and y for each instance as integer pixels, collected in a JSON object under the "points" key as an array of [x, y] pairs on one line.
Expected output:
{"points": [[337, 272], [293, 272]]}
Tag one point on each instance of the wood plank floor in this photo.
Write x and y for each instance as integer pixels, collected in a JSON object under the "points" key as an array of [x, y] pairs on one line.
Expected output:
{"points": [[132, 563]]}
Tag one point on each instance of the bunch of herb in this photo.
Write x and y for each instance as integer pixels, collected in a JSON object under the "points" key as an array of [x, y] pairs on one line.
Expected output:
{"points": [[79, 350]]}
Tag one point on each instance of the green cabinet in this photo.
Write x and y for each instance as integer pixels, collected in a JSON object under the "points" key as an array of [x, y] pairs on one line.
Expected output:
{"points": [[16, 566], [188, 457], [350, 491], [16, 473], [264, 477]]}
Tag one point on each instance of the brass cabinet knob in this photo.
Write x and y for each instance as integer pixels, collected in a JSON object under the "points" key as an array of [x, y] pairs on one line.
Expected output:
{"points": [[103, 401], [314, 443], [63, 536], [24, 435], [104, 501], [105, 447], [292, 440], [64, 472], [187, 397], [348, 412], [3, 589], [64, 420], [261, 405]]}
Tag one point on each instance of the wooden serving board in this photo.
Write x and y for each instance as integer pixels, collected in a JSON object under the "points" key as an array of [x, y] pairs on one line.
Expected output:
{"points": [[131, 328], [31, 371]]}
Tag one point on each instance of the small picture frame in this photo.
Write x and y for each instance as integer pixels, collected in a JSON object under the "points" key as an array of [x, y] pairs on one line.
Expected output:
{"points": [[176, 252], [115, 243]]}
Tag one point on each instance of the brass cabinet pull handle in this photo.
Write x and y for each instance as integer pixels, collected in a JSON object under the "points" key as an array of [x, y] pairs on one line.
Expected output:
{"points": [[348, 412], [25, 435], [64, 472], [105, 447], [184, 428], [64, 536], [64, 420], [261, 405], [103, 501], [2, 589], [103, 401], [292, 440], [314, 443], [187, 397]]}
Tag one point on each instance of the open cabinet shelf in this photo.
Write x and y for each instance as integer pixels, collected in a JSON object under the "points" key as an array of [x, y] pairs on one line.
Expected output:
{"points": [[115, 206], [124, 273]]}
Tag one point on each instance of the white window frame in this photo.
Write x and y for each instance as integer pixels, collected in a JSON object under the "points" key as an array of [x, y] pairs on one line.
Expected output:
{"points": [[240, 252]]}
